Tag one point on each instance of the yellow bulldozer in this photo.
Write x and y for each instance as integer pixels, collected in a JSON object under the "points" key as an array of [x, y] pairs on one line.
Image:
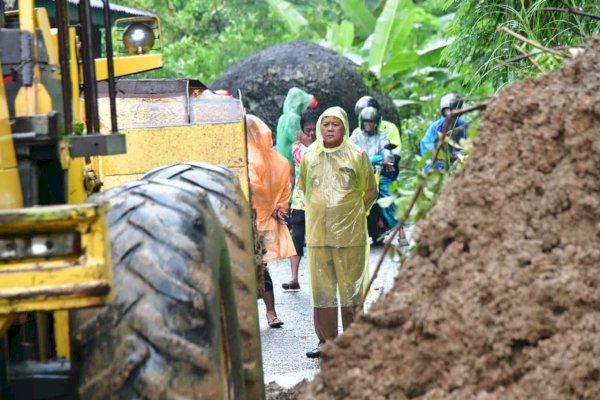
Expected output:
{"points": [[126, 249]]}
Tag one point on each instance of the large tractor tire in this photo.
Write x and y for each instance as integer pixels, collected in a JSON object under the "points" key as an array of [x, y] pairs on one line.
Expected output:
{"points": [[170, 332], [232, 209]]}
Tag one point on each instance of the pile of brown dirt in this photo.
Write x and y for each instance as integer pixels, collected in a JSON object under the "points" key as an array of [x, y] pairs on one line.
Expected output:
{"points": [[502, 298]]}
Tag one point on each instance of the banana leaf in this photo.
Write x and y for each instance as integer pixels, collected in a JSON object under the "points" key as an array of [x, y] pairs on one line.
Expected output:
{"points": [[341, 36], [359, 14], [401, 61], [431, 54], [289, 14], [393, 13]]}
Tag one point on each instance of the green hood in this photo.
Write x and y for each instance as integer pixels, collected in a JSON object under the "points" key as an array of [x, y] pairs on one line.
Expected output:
{"points": [[296, 101]]}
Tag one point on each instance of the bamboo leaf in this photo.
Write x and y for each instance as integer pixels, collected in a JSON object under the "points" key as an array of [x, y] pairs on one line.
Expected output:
{"points": [[359, 14], [289, 14]]}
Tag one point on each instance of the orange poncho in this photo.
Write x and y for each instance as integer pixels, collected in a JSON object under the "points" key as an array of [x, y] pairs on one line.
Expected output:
{"points": [[270, 185]]}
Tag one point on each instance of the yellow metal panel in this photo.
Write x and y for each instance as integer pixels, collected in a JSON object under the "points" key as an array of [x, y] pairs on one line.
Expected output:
{"points": [[61, 334], [112, 181], [77, 192], [26, 100], [43, 22], [10, 194], [127, 65], [74, 72], [57, 283], [34, 102], [26, 15], [222, 144], [44, 99]]}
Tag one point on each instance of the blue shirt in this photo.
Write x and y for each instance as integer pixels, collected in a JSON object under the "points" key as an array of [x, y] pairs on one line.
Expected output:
{"points": [[430, 139]]}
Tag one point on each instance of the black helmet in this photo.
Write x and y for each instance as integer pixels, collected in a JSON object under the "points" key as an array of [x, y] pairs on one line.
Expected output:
{"points": [[365, 101]]}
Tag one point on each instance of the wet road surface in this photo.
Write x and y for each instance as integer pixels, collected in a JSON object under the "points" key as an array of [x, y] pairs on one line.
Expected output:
{"points": [[284, 349]]}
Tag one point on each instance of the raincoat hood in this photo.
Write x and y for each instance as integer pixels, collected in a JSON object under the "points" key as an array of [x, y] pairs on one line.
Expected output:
{"points": [[296, 101], [269, 176], [333, 112], [259, 134]]}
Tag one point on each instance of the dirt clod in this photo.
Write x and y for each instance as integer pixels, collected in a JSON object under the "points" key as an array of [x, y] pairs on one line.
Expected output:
{"points": [[502, 299]]}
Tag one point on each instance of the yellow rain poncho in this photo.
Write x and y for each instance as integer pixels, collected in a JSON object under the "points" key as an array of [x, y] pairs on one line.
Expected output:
{"points": [[339, 188], [269, 174]]}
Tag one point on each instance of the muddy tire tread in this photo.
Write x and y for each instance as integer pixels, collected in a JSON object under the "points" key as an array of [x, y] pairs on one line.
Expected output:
{"points": [[158, 337]]}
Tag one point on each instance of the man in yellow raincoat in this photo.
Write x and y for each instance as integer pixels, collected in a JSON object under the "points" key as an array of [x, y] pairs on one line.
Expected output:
{"points": [[339, 188], [269, 174]]}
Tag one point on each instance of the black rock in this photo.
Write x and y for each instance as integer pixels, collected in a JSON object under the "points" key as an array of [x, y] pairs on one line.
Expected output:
{"points": [[265, 78]]}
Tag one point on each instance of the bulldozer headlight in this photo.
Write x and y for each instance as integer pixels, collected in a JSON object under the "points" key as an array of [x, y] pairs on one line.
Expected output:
{"points": [[138, 38], [40, 246]]}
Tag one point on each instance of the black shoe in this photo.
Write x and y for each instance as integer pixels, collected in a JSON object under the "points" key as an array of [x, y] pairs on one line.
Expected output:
{"points": [[291, 285], [314, 353]]}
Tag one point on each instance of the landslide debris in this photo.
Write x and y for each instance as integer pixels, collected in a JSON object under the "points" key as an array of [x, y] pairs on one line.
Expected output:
{"points": [[502, 298]]}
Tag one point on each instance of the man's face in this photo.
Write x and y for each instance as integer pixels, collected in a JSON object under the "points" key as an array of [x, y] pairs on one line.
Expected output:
{"points": [[308, 134], [369, 126], [333, 131]]}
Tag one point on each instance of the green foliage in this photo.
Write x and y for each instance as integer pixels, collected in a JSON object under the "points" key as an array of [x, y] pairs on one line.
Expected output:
{"points": [[480, 49], [359, 14], [202, 38], [288, 13], [78, 128], [388, 29], [413, 50], [341, 37]]}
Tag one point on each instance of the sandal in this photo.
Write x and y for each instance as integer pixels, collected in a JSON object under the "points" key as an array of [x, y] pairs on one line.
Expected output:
{"points": [[291, 285], [275, 322]]}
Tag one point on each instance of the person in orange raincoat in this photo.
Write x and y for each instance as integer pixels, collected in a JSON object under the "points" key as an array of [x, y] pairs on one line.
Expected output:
{"points": [[270, 188]]}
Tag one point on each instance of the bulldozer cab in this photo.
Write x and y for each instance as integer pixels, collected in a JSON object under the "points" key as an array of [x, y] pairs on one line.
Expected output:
{"points": [[170, 121]]}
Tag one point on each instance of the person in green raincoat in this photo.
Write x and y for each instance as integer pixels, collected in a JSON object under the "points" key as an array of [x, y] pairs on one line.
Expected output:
{"points": [[339, 188], [296, 102]]}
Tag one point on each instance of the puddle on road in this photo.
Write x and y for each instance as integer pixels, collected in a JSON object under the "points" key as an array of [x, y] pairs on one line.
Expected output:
{"points": [[290, 379]]}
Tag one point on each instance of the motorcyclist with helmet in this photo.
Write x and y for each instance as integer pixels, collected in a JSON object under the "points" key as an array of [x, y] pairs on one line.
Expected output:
{"points": [[385, 163], [383, 126], [457, 130]]}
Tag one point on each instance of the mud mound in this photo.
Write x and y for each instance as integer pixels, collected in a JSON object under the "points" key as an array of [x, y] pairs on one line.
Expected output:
{"points": [[265, 78], [502, 299]]}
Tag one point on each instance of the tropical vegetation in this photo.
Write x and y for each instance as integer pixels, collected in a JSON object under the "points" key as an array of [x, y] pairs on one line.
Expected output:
{"points": [[413, 50]]}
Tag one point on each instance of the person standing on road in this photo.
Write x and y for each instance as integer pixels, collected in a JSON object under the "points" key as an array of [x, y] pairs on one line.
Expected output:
{"points": [[296, 102], [339, 188], [457, 130], [306, 137], [270, 187]]}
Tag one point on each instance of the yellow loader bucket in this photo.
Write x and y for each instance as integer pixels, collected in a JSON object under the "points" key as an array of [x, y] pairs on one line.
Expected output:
{"points": [[171, 121]]}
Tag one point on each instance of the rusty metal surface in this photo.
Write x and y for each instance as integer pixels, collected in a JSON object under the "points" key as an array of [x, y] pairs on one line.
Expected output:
{"points": [[97, 288], [80, 279]]}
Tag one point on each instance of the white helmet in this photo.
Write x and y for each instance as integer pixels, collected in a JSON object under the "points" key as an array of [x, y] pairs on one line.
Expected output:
{"points": [[451, 100]]}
